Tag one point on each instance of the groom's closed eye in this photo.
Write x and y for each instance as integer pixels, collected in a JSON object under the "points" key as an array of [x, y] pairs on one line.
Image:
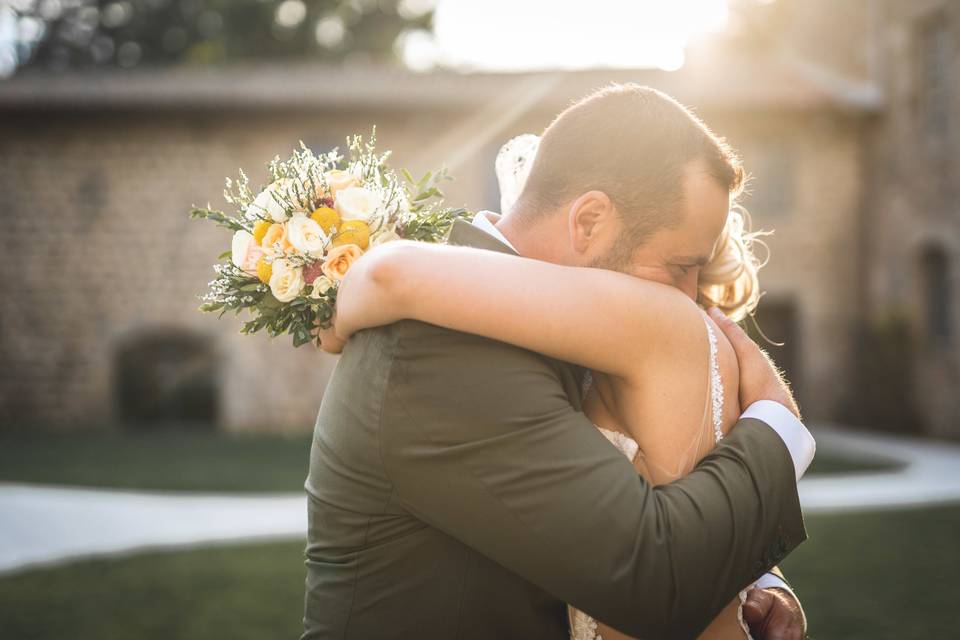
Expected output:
{"points": [[686, 264]]}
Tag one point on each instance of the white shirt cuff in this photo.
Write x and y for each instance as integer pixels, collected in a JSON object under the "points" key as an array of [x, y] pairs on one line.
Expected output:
{"points": [[771, 581], [795, 436]]}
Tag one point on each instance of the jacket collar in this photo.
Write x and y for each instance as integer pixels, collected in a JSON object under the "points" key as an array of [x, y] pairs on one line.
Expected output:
{"points": [[467, 235]]}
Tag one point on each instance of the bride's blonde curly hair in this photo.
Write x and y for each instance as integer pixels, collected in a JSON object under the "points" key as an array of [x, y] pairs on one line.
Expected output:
{"points": [[729, 280]]}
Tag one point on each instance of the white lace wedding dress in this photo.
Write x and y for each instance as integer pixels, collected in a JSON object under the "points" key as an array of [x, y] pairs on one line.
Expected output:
{"points": [[582, 626], [512, 166]]}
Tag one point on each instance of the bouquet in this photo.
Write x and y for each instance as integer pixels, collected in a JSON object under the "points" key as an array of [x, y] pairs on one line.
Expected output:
{"points": [[295, 240]]}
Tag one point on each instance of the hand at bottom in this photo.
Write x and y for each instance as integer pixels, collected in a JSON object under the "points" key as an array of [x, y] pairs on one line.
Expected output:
{"points": [[773, 614], [328, 339]]}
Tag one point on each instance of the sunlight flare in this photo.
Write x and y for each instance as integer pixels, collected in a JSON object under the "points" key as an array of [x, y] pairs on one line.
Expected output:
{"points": [[507, 35]]}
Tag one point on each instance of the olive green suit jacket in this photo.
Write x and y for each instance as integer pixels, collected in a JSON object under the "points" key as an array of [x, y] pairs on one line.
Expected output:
{"points": [[456, 490]]}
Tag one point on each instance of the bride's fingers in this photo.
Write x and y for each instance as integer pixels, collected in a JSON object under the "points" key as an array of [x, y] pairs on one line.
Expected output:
{"points": [[328, 340], [741, 342], [759, 377]]}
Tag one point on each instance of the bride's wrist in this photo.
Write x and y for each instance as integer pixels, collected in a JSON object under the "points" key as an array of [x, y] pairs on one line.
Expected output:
{"points": [[372, 292]]}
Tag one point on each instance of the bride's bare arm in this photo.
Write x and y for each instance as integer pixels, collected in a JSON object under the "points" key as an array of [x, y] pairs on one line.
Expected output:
{"points": [[599, 319]]}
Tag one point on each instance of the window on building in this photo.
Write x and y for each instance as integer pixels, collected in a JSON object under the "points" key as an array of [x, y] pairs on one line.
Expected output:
{"points": [[934, 49], [936, 295], [772, 167], [167, 378]]}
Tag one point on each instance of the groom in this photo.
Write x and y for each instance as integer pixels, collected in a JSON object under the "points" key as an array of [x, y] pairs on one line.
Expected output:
{"points": [[456, 490]]}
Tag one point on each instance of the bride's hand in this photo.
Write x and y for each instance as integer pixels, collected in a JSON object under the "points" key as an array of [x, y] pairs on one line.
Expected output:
{"points": [[328, 339], [374, 292]]}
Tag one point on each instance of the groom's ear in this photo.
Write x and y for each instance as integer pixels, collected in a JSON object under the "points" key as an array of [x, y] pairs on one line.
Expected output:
{"points": [[591, 221]]}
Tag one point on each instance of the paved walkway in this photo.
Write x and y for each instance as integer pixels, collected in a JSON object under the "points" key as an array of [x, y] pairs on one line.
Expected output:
{"points": [[42, 525], [930, 475]]}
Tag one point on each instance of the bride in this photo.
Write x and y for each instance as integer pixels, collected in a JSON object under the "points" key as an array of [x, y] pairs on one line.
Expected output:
{"points": [[664, 380]]}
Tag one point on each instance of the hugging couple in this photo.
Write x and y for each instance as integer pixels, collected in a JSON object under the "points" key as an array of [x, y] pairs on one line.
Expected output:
{"points": [[552, 427]]}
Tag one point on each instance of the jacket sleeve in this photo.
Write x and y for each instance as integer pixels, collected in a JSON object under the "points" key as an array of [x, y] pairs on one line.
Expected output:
{"points": [[481, 442]]}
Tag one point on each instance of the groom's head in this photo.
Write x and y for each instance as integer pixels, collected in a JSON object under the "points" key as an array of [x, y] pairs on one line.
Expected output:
{"points": [[628, 179]]}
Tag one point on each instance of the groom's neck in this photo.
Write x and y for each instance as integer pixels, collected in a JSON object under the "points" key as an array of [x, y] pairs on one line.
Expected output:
{"points": [[539, 239]]}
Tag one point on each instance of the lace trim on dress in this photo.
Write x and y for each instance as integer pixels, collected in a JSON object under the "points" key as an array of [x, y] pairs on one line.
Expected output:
{"points": [[624, 443], [716, 383]]}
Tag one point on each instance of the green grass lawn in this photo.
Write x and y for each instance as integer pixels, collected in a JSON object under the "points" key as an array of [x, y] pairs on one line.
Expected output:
{"points": [[884, 575], [890, 574], [160, 460], [236, 592], [831, 462], [202, 461]]}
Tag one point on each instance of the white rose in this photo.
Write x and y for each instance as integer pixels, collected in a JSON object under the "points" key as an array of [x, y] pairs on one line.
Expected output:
{"points": [[267, 204], [286, 281], [321, 285], [240, 247], [356, 203], [305, 235], [388, 235]]}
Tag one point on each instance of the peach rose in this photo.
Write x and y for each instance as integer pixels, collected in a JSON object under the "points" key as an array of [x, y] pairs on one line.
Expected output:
{"points": [[245, 252], [276, 234], [339, 260], [339, 180]]}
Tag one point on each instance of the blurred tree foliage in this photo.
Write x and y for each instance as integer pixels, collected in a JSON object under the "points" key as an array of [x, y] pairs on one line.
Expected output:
{"points": [[77, 34]]}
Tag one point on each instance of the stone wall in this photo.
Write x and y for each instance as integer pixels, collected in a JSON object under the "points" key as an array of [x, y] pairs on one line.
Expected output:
{"points": [[914, 204], [102, 251]]}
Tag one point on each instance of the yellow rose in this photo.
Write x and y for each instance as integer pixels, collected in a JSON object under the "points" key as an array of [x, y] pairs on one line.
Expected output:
{"points": [[264, 270], [339, 260], [286, 281], [260, 230]]}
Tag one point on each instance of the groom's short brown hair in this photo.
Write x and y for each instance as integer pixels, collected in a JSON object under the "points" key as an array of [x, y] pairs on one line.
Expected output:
{"points": [[634, 143]]}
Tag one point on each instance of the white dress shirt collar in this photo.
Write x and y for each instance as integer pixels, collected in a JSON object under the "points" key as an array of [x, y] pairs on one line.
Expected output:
{"points": [[482, 222]]}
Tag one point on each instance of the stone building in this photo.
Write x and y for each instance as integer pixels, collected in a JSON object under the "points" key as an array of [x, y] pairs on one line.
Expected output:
{"points": [[100, 326], [911, 225]]}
